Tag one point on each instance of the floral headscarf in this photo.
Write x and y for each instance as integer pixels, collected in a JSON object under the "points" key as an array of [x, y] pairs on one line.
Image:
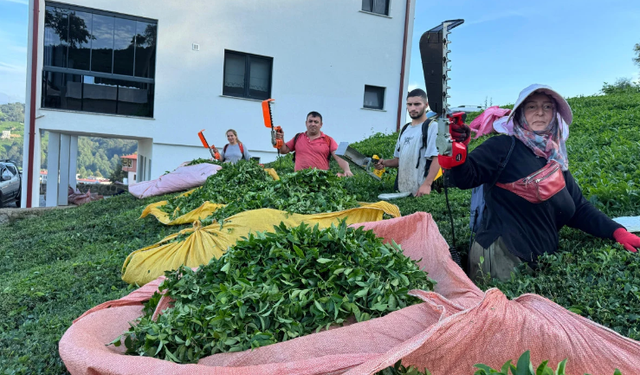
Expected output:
{"points": [[548, 143]]}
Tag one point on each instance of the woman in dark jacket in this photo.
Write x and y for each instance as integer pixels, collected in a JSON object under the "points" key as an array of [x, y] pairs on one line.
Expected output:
{"points": [[534, 195]]}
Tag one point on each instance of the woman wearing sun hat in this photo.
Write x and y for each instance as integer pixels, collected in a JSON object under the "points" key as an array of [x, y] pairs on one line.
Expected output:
{"points": [[529, 192]]}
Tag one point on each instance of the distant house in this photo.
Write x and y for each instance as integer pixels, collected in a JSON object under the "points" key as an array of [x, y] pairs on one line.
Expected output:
{"points": [[6, 134], [43, 176], [159, 71], [130, 165]]}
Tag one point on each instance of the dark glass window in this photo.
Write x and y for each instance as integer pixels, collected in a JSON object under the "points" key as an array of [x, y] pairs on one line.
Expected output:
{"points": [[56, 46], [96, 94], [246, 75], [124, 44], [373, 97], [102, 44], [376, 6], [97, 61], [79, 38], [145, 49], [234, 69], [135, 98], [60, 90]]}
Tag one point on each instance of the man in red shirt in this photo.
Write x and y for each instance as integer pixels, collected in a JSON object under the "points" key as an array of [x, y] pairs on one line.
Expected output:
{"points": [[313, 148]]}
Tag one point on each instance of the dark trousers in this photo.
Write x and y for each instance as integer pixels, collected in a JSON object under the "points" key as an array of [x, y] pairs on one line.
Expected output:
{"points": [[497, 261]]}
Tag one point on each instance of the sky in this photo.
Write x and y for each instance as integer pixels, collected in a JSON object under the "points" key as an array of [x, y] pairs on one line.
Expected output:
{"points": [[574, 46]]}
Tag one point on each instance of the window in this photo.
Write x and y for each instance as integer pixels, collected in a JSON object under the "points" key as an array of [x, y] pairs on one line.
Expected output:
{"points": [[373, 97], [247, 76], [376, 6], [12, 169], [97, 61]]}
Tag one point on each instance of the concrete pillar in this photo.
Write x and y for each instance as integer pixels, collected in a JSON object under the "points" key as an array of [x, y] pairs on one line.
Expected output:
{"points": [[53, 165], [140, 168], [63, 192], [73, 161], [145, 154]]}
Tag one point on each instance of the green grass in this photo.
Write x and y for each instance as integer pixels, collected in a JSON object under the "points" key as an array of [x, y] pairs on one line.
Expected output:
{"points": [[58, 265]]}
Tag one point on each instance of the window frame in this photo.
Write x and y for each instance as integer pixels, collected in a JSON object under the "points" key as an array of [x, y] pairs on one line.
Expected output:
{"points": [[247, 75], [384, 92], [150, 91], [387, 8]]}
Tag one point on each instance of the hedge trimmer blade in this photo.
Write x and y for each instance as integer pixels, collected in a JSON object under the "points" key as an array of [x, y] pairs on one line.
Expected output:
{"points": [[268, 122], [215, 154], [435, 65], [266, 113]]}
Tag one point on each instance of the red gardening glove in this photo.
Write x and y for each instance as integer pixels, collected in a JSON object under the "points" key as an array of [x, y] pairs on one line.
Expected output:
{"points": [[629, 241], [460, 133]]}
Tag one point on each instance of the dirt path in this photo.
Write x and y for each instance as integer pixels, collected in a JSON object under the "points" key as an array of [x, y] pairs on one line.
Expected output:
{"points": [[9, 214]]}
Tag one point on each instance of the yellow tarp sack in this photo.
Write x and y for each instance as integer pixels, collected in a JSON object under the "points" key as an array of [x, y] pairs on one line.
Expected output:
{"points": [[208, 208], [205, 210], [205, 243], [272, 172]]}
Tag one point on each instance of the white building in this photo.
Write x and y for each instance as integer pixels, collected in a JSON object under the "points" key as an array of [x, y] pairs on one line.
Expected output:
{"points": [[159, 71], [130, 165]]}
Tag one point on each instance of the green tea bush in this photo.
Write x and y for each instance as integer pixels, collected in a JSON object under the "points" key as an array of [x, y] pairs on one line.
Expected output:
{"points": [[63, 262], [59, 264]]}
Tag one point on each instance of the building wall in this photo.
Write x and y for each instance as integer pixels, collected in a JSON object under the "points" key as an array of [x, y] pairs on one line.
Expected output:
{"points": [[324, 53]]}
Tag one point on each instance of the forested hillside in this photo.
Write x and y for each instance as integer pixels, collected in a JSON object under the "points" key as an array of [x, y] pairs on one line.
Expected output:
{"points": [[96, 156], [12, 119]]}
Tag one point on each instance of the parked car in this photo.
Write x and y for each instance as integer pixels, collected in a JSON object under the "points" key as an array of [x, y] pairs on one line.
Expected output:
{"points": [[467, 108], [10, 183]]}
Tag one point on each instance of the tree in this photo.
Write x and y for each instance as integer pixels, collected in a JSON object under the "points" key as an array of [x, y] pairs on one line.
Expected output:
{"points": [[15, 153], [118, 174], [636, 49], [12, 112], [82, 173], [621, 86], [71, 29]]}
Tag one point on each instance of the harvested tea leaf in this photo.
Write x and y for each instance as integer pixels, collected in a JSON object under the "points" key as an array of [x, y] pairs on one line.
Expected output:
{"points": [[246, 186], [271, 287]]}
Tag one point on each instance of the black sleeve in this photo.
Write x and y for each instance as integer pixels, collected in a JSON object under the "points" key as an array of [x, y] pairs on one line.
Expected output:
{"points": [[482, 164], [588, 218]]}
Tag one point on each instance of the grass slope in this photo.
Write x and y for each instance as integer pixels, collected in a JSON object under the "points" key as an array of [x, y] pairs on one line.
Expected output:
{"points": [[56, 266], [60, 264]]}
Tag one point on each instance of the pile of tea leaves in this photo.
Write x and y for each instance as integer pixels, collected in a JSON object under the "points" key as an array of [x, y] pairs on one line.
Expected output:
{"points": [[202, 161], [272, 287], [246, 186]]}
